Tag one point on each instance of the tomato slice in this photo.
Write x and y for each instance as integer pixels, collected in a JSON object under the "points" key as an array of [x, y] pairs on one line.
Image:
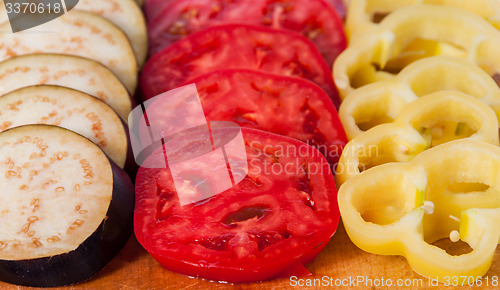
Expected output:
{"points": [[283, 105], [281, 215], [236, 46], [154, 7], [317, 20]]}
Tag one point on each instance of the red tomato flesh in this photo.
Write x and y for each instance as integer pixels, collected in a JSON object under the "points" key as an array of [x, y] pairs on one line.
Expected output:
{"points": [[154, 7], [283, 105], [236, 46], [315, 19], [280, 216]]}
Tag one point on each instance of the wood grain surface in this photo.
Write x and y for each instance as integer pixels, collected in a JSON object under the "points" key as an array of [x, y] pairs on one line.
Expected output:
{"points": [[133, 268]]}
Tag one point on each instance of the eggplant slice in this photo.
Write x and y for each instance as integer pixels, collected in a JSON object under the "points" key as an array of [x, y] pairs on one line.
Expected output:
{"points": [[69, 71], [65, 209], [70, 109], [76, 33], [125, 14]]}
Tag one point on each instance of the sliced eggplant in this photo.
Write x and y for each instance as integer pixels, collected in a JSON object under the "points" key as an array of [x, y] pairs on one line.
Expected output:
{"points": [[125, 14], [70, 109], [69, 71], [76, 33], [65, 208]]}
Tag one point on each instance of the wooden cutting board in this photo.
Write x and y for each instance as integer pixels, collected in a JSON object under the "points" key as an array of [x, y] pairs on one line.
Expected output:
{"points": [[133, 268]]}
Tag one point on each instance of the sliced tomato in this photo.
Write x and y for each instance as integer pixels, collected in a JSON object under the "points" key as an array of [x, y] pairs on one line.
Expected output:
{"points": [[154, 7], [315, 19], [280, 216], [236, 46], [283, 105]]}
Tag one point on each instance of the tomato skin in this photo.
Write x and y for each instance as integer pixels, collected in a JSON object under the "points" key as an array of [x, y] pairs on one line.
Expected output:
{"points": [[202, 240], [315, 19], [232, 275], [339, 6], [282, 105], [275, 51]]}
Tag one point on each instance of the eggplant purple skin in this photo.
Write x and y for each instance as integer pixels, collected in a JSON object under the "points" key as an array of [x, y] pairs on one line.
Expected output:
{"points": [[131, 167], [91, 256]]}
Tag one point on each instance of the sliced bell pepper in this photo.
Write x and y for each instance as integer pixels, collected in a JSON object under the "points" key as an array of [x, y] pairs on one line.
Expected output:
{"points": [[391, 46], [429, 121], [381, 102], [451, 190], [364, 15]]}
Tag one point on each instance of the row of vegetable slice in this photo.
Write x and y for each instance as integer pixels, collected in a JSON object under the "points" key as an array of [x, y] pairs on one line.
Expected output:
{"points": [[67, 203], [265, 65], [252, 239], [418, 87], [53, 81]]}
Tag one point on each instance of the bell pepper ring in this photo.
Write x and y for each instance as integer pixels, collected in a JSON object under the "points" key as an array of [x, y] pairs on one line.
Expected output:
{"points": [[428, 199], [364, 15], [411, 33], [381, 102], [427, 122]]}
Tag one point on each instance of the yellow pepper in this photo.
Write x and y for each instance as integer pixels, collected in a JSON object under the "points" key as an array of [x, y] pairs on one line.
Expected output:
{"points": [[381, 102], [384, 51], [427, 122], [364, 15], [450, 191]]}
